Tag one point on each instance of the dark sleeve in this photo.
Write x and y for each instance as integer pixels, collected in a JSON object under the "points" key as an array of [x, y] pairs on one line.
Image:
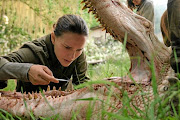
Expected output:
{"points": [[79, 75], [13, 70], [23, 55], [16, 64]]}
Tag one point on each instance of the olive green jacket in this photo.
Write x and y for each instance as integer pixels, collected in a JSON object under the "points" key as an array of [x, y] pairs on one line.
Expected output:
{"points": [[41, 51], [146, 9]]}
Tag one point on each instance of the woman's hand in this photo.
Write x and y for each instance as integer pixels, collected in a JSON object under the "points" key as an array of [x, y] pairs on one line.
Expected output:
{"points": [[41, 75]]}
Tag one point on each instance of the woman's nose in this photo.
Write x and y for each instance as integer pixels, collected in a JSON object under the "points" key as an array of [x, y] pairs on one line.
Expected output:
{"points": [[72, 55]]}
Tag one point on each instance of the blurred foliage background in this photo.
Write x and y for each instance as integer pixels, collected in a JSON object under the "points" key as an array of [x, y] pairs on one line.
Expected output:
{"points": [[24, 20]]}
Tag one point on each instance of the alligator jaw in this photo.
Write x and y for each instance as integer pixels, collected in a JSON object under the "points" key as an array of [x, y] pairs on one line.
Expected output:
{"points": [[142, 45]]}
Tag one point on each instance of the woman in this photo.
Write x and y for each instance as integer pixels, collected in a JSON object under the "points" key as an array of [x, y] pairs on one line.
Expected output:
{"points": [[57, 55], [144, 8]]}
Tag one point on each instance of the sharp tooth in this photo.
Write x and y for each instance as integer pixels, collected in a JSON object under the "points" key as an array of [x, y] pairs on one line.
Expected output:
{"points": [[99, 19], [90, 9], [96, 15], [104, 25], [41, 96], [107, 30], [94, 12], [35, 96], [54, 87], [103, 29], [48, 88], [59, 88], [84, 7], [24, 94], [29, 96], [88, 5]]}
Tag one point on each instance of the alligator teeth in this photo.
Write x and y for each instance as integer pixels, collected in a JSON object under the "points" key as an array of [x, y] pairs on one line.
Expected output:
{"points": [[44, 91], [48, 88], [107, 29], [99, 19], [94, 11], [96, 16], [35, 96], [90, 9], [84, 7], [59, 89], [29, 96], [103, 29], [24, 94], [54, 87], [88, 5]]}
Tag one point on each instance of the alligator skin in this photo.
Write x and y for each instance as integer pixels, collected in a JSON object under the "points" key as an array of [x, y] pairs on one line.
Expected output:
{"points": [[144, 50]]}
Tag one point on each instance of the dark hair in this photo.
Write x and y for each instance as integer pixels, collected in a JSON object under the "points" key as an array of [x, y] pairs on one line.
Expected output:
{"points": [[70, 23], [131, 4]]}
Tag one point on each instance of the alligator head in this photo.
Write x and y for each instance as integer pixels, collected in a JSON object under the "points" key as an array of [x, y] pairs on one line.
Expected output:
{"points": [[149, 60]]}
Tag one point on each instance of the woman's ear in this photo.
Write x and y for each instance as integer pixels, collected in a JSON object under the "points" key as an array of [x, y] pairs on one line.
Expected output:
{"points": [[53, 37], [54, 26]]}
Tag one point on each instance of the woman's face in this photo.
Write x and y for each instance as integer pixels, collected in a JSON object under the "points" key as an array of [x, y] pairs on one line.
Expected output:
{"points": [[136, 2], [68, 47]]}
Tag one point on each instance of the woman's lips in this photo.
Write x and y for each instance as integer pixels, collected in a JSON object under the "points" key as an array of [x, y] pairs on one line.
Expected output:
{"points": [[68, 60]]}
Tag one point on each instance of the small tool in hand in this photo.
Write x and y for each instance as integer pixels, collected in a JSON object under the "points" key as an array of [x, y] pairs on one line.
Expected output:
{"points": [[62, 80]]}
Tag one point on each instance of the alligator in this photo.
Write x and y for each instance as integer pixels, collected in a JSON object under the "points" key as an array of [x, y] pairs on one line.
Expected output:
{"points": [[149, 67]]}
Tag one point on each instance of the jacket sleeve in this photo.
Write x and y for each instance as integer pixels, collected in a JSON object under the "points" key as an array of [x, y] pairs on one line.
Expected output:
{"points": [[16, 64], [12, 70], [79, 75]]}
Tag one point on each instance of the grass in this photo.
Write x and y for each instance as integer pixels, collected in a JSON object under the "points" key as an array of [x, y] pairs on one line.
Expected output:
{"points": [[112, 67], [11, 86]]}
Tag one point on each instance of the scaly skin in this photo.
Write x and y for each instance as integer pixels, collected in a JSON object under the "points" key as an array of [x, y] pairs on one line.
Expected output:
{"points": [[143, 48]]}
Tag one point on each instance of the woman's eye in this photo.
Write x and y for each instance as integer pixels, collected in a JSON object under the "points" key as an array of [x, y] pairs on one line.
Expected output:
{"points": [[67, 47], [79, 50]]}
